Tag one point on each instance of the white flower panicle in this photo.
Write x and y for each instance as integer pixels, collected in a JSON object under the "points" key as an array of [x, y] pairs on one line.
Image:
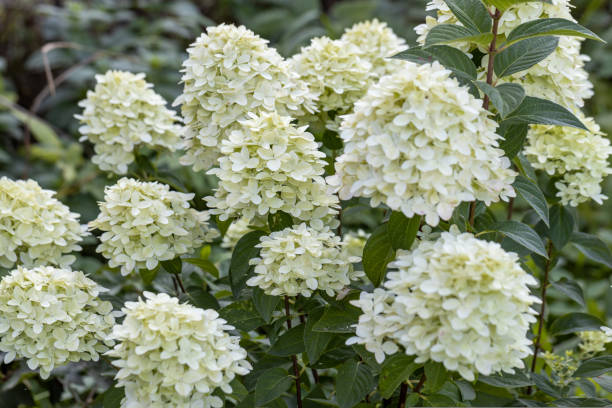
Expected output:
{"points": [[36, 228], [561, 77], [174, 355], [594, 341], [301, 260], [579, 157], [145, 222], [421, 144], [230, 72], [269, 165], [122, 113], [458, 300], [51, 317], [340, 71]]}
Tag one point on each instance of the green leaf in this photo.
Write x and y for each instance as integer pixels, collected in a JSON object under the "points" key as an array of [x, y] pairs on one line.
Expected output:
{"points": [[44, 134], [402, 230], [581, 402], [561, 226], [337, 319], [472, 14], [243, 252], [592, 247], [575, 322], [148, 275], [242, 315], [533, 195], [271, 384], [451, 33], [550, 26], [505, 97], [223, 225], [523, 55], [514, 138], [353, 382], [200, 298], [279, 221], [395, 370], [460, 64], [594, 367], [571, 289], [265, 304], [205, 265], [332, 141], [113, 396], [505, 380], [315, 342], [289, 343], [504, 5], [544, 112], [377, 253], [523, 235], [173, 266], [436, 376], [465, 388]]}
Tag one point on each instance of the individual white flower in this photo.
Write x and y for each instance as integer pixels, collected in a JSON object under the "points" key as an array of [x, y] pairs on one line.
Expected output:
{"points": [[458, 300], [145, 222], [421, 144], [36, 228], [230, 72], [269, 165], [561, 77], [579, 157], [122, 113], [301, 260], [51, 317], [376, 43], [174, 355]]}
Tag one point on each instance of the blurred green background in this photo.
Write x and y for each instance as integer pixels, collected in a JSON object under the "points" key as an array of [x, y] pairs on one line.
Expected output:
{"points": [[68, 42]]}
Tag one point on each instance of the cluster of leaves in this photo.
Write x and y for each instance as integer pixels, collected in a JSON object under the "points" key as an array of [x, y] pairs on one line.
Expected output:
{"points": [[574, 265]]}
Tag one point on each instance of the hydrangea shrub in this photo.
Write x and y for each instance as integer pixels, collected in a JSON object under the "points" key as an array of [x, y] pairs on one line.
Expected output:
{"points": [[382, 226]]}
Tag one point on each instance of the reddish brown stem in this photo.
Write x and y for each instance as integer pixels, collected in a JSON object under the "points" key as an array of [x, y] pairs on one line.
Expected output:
{"points": [[296, 367]]}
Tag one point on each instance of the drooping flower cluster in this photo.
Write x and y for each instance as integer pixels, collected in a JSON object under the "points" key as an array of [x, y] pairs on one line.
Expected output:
{"points": [[36, 228], [229, 73], [121, 114], [51, 317], [174, 355], [269, 165], [421, 144], [579, 157], [340, 71], [458, 300], [145, 222], [561, 77], [301, 260]]}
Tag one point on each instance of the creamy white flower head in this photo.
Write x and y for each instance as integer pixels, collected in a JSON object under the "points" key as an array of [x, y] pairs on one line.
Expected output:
{"points": [[578, 157], [301, 260], [174, 355], [145, 222], [51, 317], [354, 242], [122, 113], [335, 70], [458, 300], [594, 341], [36, 228], [376, 42], [561, 77], [269, 165], [230, 72], [421, 144]]}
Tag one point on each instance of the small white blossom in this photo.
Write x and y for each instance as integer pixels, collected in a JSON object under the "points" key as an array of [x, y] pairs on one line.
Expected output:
{"points": [[579, 157], [36, 228], [301, 260], [420, 143], [269, 165], [122, 113], [145, 222], [229, 73], [458, 300], [594, 341], [174, 355], [51, 317]]}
